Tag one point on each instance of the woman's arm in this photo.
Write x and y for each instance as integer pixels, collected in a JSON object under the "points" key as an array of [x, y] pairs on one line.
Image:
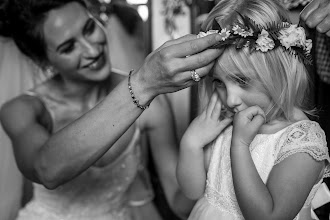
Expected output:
{"points": [[56, 159]]}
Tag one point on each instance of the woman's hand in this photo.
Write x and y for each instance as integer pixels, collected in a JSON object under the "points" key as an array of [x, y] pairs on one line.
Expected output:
{"points": [[317, 15], [168, 68], [206, 126], [246, 125]]}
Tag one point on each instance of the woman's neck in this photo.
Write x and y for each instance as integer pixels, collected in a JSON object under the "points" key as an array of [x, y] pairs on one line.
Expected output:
{"points": [[87, 93]]}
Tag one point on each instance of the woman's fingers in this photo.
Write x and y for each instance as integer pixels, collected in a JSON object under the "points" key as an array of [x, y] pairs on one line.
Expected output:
{"points": [[317, 13], [309, 9], [324, 25], [200, 59], [189, 48], [179, 40]]}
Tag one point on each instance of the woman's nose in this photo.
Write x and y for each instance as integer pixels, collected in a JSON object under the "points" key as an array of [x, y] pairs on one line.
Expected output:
{"points": [[90, 48]]}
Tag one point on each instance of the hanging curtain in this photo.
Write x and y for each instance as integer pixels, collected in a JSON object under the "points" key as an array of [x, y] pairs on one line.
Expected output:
{"points": [[17, 73]]}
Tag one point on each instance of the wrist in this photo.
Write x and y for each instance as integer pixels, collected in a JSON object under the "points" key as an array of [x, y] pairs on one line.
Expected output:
{"points": [[191, 144], [139, 90]]}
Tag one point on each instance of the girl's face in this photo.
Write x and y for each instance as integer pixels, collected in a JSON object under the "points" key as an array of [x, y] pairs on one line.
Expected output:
{"points": [[76, 43], [238, 91]]}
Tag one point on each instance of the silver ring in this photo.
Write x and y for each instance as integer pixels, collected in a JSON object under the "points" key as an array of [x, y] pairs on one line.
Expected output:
{"points": [[195, 76]]}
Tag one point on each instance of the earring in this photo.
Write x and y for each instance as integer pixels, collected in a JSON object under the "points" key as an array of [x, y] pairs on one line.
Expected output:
{"points": [[50, 71]]}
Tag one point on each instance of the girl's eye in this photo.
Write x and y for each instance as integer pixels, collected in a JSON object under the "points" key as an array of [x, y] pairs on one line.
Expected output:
{"points": [[242, 81], [218, 83]]}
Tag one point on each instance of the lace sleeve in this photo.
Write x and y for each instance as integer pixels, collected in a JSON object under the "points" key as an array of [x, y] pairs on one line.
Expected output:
{"points": [[304, 137]]}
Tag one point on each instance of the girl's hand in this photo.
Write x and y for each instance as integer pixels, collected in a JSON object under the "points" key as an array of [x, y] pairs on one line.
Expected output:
{"points": [[206, 126], [246, 125]]}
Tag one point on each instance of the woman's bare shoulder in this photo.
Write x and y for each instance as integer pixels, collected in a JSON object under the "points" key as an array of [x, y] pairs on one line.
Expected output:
{"points": [[21, 108]]}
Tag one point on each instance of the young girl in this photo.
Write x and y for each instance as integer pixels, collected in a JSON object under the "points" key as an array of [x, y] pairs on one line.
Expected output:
{"points": [[253, 153]]}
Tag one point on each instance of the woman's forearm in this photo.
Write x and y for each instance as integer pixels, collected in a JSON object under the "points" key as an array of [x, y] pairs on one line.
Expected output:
{"points": [[79, 145]]}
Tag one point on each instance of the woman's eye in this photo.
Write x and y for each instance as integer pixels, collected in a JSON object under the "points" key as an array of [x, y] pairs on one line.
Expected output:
{"points": [[68, 49], [90, 27]]}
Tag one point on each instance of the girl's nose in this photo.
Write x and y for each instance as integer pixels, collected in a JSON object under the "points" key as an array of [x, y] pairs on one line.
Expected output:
{"points": [[233, 99]]}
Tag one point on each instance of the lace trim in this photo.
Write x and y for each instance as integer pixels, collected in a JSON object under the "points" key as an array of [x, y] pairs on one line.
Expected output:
{"points": [[313, 151], [305, 137], [225, 203]]}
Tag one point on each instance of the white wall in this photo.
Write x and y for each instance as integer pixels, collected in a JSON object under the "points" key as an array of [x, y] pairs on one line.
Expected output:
{"points": [[179, 100]]}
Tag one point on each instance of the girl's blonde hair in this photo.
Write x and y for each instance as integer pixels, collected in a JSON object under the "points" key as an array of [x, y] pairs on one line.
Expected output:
{"points": [[283, 76]]}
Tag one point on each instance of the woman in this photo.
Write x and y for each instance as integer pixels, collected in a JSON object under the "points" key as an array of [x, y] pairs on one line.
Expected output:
{"points": [[74, 135]]}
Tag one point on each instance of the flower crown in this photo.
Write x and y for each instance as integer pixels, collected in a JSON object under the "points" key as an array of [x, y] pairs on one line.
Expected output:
{"points": [[290, 36]]}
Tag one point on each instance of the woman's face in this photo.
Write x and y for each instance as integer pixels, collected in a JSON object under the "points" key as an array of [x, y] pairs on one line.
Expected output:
{"points": [[76, 43], [238, 91]]}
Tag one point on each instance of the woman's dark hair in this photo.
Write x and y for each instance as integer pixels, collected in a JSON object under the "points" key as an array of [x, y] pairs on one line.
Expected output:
{"points": [[23, 21], [127, 14]]}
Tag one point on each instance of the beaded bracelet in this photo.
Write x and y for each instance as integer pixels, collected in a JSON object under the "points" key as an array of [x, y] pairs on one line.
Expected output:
{"points": [[135, 101]]}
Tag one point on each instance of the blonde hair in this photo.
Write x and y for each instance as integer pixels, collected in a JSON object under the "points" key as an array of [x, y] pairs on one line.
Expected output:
{"points": [[283, 76]]}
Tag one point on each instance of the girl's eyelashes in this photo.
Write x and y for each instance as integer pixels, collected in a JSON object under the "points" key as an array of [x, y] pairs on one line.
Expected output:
{"points": [[241, 80], [218, 82]]}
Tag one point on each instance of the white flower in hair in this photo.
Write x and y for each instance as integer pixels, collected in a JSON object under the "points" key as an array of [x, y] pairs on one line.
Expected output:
{"points": [[292, 36], [242, 32], [264, 43], [224, 34]]}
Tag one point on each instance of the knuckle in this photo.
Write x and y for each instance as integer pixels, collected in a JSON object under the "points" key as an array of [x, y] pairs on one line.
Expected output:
{"points": [[164, 54], [210, 40], [193, 46], [201, 59]]}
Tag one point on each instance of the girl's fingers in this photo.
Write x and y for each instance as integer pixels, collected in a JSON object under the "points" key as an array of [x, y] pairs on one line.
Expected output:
{"points": [[211, 104], [225, 122], [254, 111], [217, 109]]}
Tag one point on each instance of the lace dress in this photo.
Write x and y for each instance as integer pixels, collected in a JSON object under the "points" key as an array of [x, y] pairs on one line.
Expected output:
{"points": [[219, 200], [99, 193]]}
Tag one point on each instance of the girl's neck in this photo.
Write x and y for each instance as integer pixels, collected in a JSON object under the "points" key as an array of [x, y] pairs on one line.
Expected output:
{"points": [[278, 124]]}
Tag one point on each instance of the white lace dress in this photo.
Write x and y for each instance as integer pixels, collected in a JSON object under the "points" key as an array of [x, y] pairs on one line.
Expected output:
{"points": [[219, 200]]}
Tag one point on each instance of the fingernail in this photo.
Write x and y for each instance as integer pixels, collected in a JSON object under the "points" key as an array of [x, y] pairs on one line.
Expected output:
{"points": [[218, 37]]}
